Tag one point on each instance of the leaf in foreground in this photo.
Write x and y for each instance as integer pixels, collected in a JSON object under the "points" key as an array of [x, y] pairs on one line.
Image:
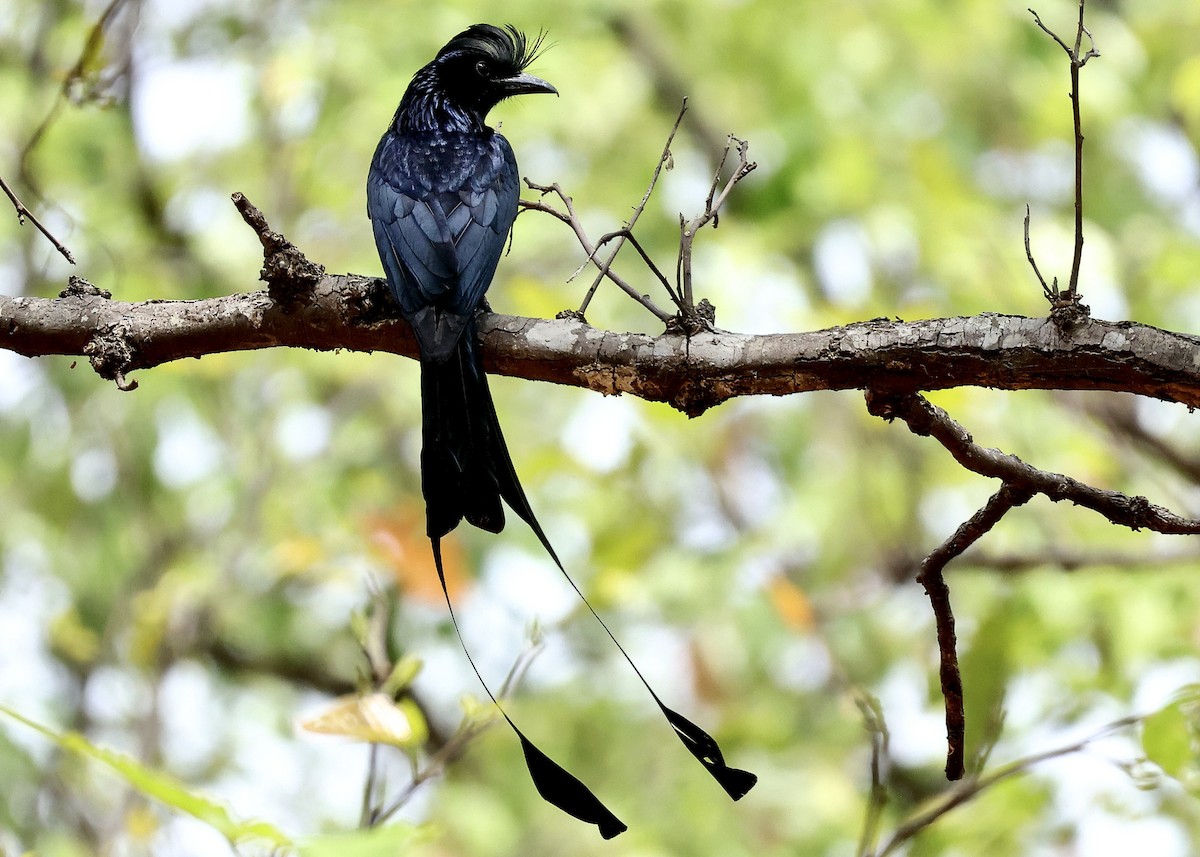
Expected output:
{"points": [[159, 786]]}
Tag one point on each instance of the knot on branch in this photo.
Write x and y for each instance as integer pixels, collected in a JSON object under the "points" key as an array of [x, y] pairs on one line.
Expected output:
{"points": [[694, 398], [78, 287], [691, 320], [369, 300], [1141, 513], [889, 405], [1067, 312], [111, 355], [572, 314], [288, 273]]}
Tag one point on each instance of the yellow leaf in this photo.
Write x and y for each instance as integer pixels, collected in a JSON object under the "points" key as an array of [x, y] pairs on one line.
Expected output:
{"points": [[791, 604], [373, 718]]}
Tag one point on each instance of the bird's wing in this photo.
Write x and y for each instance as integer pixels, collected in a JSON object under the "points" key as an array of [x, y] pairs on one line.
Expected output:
{"points": [[440, 217]]}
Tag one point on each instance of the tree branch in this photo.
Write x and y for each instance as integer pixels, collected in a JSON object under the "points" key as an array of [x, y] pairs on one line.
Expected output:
{"points": [[931, 578], [691, 374], [928, 420]]}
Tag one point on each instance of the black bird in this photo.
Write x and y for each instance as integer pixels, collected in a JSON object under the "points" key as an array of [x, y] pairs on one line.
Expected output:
{"points": [[442, 195]]}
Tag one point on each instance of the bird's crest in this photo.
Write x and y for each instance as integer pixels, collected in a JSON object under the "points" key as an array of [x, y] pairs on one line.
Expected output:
{"points": [[506, 46]]}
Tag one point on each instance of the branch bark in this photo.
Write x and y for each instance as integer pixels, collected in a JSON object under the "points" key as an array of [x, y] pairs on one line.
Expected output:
{"points": [[692, 373]]}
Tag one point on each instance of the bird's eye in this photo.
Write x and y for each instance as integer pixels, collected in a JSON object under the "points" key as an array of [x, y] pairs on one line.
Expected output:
{"points": [[482, 68]]}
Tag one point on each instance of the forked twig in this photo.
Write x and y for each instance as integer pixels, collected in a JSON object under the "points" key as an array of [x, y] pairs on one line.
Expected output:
{"points": [[1078, 60], [1021, 482], [626, 235], [712, 207], [925, 419], [570, 218], [689, 316], [664, 160], [931, 578]]}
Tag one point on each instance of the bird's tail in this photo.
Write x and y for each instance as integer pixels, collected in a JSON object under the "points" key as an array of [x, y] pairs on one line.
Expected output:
{"points": [[463, 455], [465, 472]]}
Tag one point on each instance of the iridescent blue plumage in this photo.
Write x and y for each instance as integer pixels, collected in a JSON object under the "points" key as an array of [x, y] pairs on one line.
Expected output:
{"points": [[442, 195]]}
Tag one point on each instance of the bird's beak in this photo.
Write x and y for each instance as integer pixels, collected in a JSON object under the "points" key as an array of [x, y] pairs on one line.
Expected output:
{"points": [[524, 84]]}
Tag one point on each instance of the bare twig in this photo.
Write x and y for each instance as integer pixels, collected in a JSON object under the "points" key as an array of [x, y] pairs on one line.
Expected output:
{"points": [[926, 419], [712, 207], [931, 578], [626, 235], [24, 213], [973, 786], [1078, 61], [570, 218], [468, 730], [1050, 293], [875, 724], [1021, 483], [690, 318], [663, 160]]}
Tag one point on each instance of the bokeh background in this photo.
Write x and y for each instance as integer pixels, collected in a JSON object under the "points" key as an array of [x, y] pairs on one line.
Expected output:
{"points": [[180, 566]]}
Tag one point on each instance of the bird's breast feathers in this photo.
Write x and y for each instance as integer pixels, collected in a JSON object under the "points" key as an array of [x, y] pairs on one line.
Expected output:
{"points": [[441, 206]]}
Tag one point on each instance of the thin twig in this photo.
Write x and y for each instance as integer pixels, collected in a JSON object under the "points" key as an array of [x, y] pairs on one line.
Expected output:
{"points": [[972, 787], [931, 578], [1078, 61], [874, 723], [712, 207], [1046, 290], [24, 213], [570, 218], [626, 235], [664, 159]]}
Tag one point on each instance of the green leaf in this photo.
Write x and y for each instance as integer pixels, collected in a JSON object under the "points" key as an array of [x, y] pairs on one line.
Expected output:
{"points": [[159, 786], [387, 841], [403, 674], [1167, 740]]}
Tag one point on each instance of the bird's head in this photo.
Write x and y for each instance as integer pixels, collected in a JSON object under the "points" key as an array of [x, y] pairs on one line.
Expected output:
{"points": [[483, 65]]}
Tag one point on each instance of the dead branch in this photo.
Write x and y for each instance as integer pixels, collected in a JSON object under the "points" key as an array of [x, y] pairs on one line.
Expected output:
{"points": [[712, 207], [24, 214], [928, 420], [664, 160], [569, 217], [1078, 60], [931, 578]]}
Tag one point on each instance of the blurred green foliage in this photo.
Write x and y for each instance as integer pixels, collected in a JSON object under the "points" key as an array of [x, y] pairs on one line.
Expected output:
{"points": [[179, 566]]}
